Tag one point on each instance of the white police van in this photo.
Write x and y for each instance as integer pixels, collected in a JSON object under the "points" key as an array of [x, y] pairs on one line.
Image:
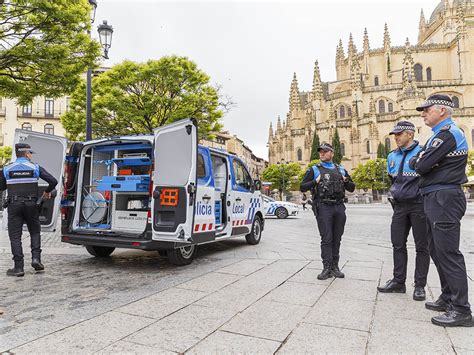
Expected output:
{"points": [[159, 192]]}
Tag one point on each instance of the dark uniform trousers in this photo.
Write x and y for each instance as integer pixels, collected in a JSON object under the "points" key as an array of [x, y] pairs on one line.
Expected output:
{"points": [[444, 210], [19, 212], [331, 220], [406, 216]]}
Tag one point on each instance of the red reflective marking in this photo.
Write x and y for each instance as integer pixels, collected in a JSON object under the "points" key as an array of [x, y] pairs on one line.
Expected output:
{"points": [[233, 223], [203, 227], [135, 244], [210, 226], [196, 227]]}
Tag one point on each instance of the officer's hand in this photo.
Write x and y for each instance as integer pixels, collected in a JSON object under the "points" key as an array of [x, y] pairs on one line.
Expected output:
{"points": [[47, 195]]}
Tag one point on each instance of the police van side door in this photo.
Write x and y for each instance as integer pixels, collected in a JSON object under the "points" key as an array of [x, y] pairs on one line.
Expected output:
{"points": [[204, 228], [174, 181], [242, 198], [50, 154]]}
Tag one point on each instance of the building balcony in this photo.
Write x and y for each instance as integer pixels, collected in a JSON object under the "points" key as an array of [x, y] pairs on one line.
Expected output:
{"points": [[56, 114]]}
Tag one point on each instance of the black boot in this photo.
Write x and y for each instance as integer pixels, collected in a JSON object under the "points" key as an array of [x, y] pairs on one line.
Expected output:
{"points": [[392, 287], [36, 264], [326, 273], [335, 270], [419, 293], [453, 318], [17, 270], [439, 305]]}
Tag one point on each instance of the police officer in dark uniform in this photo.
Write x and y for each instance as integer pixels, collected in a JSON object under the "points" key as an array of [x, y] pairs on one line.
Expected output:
{"points": [[407, 214], [442, 166], [328, 182], [20, 179]]}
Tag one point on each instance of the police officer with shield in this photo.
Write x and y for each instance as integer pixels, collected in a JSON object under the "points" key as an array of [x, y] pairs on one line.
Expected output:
{"points": [[20, 179], [407, 214], [328, 182], [442, 167]]}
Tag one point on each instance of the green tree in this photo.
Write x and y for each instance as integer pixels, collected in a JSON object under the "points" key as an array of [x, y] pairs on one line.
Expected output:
{"points": [[470, 164], [291, 172], [314, 147], [5, 156], [135, 98], [372, 175], [382, 152], [45, 47], [336, 144]]}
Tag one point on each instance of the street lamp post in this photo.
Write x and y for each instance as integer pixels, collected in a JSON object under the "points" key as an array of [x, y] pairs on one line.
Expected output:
{"points": [[282, 164], [105, 36]]}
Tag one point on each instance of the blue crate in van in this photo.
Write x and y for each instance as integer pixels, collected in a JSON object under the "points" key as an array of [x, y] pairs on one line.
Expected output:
{"points": [[129, 183], [131, 161], [143, 179]]}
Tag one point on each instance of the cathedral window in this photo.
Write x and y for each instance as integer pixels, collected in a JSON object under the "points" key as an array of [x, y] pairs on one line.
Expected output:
{"points": [[342, 112], [428, 74], [367, 145], [381, 106], [455, 101], [349, 111], [299, 154], [418, 72], [390, 107], [376, 81], [343, 149]]}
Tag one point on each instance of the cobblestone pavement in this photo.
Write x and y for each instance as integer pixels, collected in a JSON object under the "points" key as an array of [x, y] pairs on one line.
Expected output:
{"points": [[233, 298]]}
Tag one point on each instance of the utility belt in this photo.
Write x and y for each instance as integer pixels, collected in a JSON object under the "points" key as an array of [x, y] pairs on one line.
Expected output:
{"points": [[11, 199], [329, 201]]}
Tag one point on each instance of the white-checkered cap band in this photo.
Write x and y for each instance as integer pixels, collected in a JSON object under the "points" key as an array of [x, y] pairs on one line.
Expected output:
{"points": [[404, 128], [438, 102]]}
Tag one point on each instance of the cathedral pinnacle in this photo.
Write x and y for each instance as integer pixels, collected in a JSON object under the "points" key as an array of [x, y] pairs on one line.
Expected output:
{"points": [[270, 132], [317, 86], [421, 26], [279, 124], [352, 50], [339, 52], [294, 94], [386, 38], [460, 19], [366, 42]]}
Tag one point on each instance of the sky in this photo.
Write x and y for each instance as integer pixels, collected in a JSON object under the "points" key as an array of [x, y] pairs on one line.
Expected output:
{"points": [[252, 49]]}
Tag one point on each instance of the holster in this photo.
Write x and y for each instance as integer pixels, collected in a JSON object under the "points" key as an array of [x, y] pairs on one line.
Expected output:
{"points": [[392, 202], [314, 207]]}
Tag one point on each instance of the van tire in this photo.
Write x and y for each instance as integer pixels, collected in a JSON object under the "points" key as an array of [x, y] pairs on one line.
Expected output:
{"points": [[281, 213], [182, 256], [253, 238], [99, 252]]}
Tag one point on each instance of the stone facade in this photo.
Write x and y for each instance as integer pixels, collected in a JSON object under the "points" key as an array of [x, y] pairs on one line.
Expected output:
{"points": [[375, 88]]}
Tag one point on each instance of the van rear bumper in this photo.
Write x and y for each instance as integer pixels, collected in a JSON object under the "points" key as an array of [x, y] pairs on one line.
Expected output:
{"points": [[119, 242]]}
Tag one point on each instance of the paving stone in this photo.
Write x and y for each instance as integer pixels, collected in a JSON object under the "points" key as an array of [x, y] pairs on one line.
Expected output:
{"points": [[462, 337], [244, 268], [353, 289], [342, 313], [290, 266], [163, 303], [183, 329], [89, 336], [298, 293], [310, 276], [229, 343], [402, 306], [317, 339], [269, 320], [125, 347], [210, 282], [361, 273]]}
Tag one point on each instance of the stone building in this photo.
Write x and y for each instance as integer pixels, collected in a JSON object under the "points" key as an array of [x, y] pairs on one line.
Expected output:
{"points": [[375, 88]]}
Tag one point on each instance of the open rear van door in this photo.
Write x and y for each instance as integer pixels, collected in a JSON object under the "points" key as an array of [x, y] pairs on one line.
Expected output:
{"points": [[50, 153], [174, 181]]}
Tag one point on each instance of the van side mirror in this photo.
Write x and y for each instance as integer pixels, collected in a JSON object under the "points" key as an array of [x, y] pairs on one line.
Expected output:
{"points": [[257, 184]]}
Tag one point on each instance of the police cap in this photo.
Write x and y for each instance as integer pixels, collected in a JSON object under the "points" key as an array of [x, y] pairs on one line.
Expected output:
{"points": [[403, 126], [326, 147], [436, 99], [22, 148]]}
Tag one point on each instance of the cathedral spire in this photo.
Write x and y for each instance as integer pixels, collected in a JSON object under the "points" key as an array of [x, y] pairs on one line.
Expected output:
{"points": [[279, 124], [317, 86], [460, 19], [339, 52], [386, 38], [366, 42], [294, 94], [270, 132], [409, 89], [421, 26], [351, 50]]}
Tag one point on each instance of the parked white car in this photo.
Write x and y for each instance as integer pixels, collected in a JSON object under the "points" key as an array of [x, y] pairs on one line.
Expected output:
{"points": [[280, 209]]}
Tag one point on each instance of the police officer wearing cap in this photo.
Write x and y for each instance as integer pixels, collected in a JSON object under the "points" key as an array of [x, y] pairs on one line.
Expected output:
{"points": [[20, 179], [407, 214], [328, 182], [442, 167]]}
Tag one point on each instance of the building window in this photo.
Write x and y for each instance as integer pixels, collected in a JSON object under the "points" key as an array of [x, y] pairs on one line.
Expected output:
{"points": [[27, 126], [376, 81], [367, 145], [428, 74], [455, 101], [342, 112], [381, 106], [48, 107], [390, 107], [48, 128], [387, 144], [27, 110], [299, 155], [349, 111], [343, 149], [418, 72]]}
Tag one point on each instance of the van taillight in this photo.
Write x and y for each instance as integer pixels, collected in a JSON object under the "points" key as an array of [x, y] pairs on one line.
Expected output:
{"points": [[169, 197]]}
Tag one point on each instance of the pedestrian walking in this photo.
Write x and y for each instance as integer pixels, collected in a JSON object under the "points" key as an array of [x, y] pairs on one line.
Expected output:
{"points": [[327, 182], [442, 167], [20, 179], [407, 214]]}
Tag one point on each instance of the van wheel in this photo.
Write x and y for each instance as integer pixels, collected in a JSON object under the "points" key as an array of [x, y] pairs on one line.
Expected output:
{"points": [[281, 212], [255, 234], [99, 252], [182, 256]]}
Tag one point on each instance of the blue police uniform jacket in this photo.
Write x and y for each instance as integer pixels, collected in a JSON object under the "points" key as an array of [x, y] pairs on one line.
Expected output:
{"points": [[328, 165], [309, 179], [22, 178], [405, 180], [442, 161]]}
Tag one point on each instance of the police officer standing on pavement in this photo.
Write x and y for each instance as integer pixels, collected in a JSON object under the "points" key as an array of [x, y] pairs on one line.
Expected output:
{"points": [[328, 182], [442, 167], [407, 214], [20, 179]]}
